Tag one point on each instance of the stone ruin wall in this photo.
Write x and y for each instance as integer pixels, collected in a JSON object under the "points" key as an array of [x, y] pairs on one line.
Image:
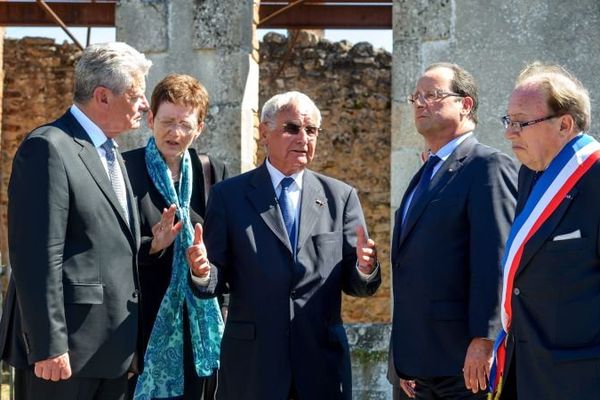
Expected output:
{"points": [[350, 84]]}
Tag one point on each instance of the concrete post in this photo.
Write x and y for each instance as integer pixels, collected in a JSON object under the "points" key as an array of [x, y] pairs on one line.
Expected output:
{"points": [[215, 41]]}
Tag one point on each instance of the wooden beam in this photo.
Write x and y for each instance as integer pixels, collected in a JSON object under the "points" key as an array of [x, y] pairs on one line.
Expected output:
{"points": [[21, 13], [328, 16], [348, 14]]}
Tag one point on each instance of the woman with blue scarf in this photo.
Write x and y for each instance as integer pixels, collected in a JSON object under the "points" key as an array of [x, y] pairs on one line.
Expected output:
{"points": [[180, 334]]}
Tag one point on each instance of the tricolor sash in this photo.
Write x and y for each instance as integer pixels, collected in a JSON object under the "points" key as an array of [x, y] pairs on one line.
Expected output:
{"points": [[565, 170]]}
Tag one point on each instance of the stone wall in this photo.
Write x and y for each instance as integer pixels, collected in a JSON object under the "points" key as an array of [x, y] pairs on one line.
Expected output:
{"points": [[351, 87], [2, 233], [38, 88]]}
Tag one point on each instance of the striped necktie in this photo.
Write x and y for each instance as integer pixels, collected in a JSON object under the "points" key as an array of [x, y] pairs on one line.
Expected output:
{"points": [[116, 176]]}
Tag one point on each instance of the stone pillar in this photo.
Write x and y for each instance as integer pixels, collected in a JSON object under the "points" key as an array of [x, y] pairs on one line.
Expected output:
{"points": [[3, 242], [414, 23], [215, 41]]}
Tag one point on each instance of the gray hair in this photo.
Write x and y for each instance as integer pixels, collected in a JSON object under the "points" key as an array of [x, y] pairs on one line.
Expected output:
{"points": [[114, 65], [565, 93], [285, 100]]}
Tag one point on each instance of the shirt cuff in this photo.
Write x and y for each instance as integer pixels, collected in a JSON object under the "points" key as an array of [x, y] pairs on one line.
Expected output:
{"points": [[367, 276], [200, 281]]}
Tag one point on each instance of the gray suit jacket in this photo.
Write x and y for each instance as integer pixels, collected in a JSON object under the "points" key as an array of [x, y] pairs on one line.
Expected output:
{"points": [[73, 256], [284, 319]]}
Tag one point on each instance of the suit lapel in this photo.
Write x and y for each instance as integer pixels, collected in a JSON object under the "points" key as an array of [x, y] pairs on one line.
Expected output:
{"points": [[450, 167], [541, 236], [262, 196], [312, 203], [90, 158], [400, 211], [134, 223]]}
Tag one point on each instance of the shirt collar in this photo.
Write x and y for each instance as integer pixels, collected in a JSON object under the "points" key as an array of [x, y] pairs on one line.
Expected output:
{"points": [[94, 132], [277, 176], [449, 147]]}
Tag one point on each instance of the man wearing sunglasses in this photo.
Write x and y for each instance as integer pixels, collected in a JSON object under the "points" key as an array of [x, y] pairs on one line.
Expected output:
{"points": [[285, 242], [449, 235], [550, 345]]}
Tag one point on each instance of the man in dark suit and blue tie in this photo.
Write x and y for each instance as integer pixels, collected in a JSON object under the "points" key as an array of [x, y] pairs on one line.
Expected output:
{"points": [[550, 345], [285, 242], [69, 324], [448, 239]]}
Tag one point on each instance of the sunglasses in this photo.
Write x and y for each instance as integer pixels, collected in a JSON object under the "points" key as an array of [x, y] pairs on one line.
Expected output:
{"points": [[294, 129]]}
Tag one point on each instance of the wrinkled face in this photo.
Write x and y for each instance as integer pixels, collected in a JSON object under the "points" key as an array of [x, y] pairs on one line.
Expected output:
{"points": [[288, 152], [438, 115], [535, 145], [126, 109], [175, 127]]}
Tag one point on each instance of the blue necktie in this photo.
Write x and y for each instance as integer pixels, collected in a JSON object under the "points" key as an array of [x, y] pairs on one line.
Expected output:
{"points": [[423, 182], [287, 210]]}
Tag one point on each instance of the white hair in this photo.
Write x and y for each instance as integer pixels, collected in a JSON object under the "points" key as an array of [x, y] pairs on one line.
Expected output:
{"points": [[285, 100], [114, 65]]}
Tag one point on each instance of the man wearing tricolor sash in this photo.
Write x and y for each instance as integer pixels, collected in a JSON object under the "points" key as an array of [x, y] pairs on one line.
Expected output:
{"points": [[550, 344]]}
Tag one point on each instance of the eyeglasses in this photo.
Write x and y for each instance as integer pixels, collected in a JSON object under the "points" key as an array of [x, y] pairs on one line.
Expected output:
{"points": [[294, 129], [430, 97], [518, 126], [184, 127]]}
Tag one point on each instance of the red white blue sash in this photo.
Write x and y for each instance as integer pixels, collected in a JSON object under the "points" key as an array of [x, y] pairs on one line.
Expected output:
{"points": [[565, 170]]}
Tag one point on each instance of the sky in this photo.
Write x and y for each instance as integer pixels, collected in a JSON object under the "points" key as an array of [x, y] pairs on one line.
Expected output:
{"points": [[378, 38]]}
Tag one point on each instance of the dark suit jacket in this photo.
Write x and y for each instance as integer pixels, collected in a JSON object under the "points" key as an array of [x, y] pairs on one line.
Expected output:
{"points": [[446, 261], [155, 269], [73, 256], [555, 331], [284, 314]]}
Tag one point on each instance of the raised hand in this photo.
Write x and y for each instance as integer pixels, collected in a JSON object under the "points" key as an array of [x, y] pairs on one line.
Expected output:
{"points": [[366, 251], [197, 258], [165, 231]]}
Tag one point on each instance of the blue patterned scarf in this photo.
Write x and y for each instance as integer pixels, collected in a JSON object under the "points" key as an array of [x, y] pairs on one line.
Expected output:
{"points": [[163, 362]]}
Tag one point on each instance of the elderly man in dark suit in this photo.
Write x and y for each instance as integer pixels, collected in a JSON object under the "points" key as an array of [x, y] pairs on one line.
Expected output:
{"points": [[70, 323], [448, 239], [285, 242], [550, 346]]}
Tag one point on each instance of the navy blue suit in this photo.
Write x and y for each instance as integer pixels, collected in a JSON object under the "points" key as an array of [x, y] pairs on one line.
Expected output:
{"points": [[446, 261]]}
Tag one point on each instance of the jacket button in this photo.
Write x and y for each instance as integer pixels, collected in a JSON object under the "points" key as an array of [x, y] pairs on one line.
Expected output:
{"points": [[516, 291], [293, 294], [135, 294]]}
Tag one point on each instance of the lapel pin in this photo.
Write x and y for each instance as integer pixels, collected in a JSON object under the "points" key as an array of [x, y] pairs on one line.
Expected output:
{"points": [[320, 203]]}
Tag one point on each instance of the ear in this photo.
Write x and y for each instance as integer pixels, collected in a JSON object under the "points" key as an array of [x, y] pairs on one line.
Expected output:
{"points": [[467, 105], [101, 96], [263, 130], [150, 119], [567, 125], [199, 130]]}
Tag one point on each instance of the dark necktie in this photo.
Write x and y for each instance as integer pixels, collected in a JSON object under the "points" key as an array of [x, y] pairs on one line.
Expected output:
{"points": [[116, 177], [424, 180], [287, 210]]}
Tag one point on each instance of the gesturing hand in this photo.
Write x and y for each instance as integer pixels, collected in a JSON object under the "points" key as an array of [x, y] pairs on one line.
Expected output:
{"points": [[164, 231], [54, 369], [197, 258], [366, 251]]}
